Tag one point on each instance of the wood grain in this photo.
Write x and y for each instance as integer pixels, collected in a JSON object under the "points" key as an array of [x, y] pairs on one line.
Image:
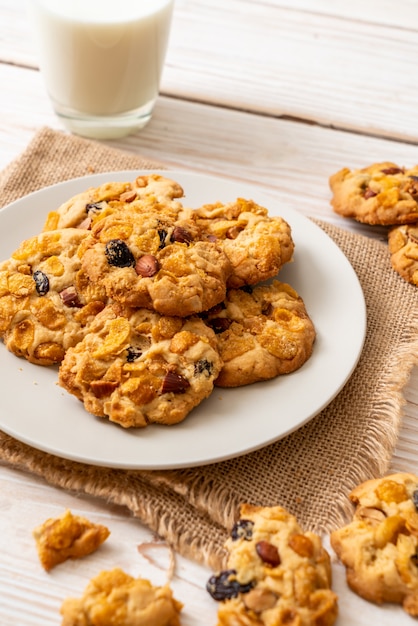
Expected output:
{"points": [[276, 93], [336, 67]]}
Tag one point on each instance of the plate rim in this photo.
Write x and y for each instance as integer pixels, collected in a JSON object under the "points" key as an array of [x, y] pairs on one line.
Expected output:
{"points": [[258, 194]]}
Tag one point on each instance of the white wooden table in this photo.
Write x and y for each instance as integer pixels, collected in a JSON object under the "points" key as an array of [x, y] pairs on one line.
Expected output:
{"points": [[281, 94]]}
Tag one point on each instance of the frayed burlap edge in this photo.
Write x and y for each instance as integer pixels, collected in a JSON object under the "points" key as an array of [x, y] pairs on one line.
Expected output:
{"points": [[152, 506], [203, 509]]}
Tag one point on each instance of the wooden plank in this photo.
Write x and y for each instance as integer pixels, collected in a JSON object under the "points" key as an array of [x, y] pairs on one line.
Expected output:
{"points": [[403, 14], [31, 597], [291, 160], [281, 62]]}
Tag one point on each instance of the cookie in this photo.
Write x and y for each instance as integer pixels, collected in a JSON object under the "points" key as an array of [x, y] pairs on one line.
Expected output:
{"points": [[136, 367], [149, 260], [46, 300], [67, 537], [383, 193], [379, 547], [276, 573], [403, 247], [150, 191], [256, 244], [262, 332], [114, 597]]}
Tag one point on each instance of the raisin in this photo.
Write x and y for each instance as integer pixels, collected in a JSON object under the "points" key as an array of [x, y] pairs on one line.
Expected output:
{"points": [[162, 234], [243, 529], [415, 499], [203, 366], [94, 208], [118, 254], [133, 354], [414, 559], [41, 282], [219, 324], [369, 193], [225, 585]]}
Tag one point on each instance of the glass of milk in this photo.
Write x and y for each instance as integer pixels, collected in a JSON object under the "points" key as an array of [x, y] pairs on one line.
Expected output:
{"points": [[102, 61]]}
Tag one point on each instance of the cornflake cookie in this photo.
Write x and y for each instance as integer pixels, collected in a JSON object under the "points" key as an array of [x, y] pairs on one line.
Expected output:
{"points": [[114, 597], [379, 548], [262, 332], [277, 574], [46, 300], [148, 260], [144, 193], [67, 537], [256, 244], [383, 193], [136, 367], [403, 247]]}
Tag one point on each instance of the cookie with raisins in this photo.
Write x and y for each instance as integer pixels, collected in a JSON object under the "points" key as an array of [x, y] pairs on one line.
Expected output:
{"points": [[149, 260], [135, 367], [381, 194], [256, 244], [145, 192], [403, 248], [379, 547], [276, 573], [46, 299], [114, 597], [262, 332]]}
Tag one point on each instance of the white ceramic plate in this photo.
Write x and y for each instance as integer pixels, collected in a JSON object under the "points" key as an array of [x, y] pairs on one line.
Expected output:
{"points": [[232, 422]]}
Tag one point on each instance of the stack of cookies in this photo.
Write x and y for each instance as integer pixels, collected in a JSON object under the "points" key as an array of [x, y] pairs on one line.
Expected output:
{"points": [[383, 194], [145, 305]]}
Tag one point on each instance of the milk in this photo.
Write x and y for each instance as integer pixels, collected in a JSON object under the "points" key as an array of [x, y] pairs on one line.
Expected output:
{"points": [[102, 58]]}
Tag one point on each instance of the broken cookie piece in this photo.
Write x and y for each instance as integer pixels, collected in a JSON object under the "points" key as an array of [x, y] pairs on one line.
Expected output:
{"points": [[114, 597], [67, 537]]}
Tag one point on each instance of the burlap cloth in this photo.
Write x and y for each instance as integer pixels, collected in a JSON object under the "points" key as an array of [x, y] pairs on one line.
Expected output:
{"points": [[310, 471]]}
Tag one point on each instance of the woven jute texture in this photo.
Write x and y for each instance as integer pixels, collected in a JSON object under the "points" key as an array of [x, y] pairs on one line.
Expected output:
{"points": [[311, 471]]}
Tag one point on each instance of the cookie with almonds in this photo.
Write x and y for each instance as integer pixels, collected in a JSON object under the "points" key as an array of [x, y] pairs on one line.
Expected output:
{"points": [[379, 547], [275, 574], [381, 194], [136, 367], [256, 244], [46, 299], [67, 537], [149, 260], [262, 332], [116, 598], [403, 247], [145, 192]]}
